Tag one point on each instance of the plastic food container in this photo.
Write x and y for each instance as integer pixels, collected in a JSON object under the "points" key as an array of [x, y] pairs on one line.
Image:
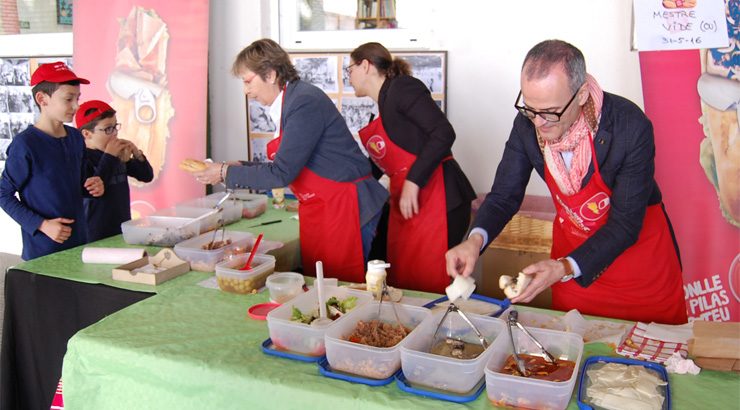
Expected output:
{"points": [[447, 373], [231, 209], [300, 337], [253, 205], [207, 218], [364, 360], [159, 230], [284, 286], [514, 391], [231, 279], [205, 260]]}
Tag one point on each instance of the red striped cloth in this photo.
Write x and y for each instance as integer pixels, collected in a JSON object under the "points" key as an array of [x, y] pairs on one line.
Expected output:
{"points": [[57, 403], [635, 344]]}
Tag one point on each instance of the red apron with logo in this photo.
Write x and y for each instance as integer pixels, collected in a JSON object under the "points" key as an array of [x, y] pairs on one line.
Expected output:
{"points": [[329, 217], [416, 247], [642, 284]]}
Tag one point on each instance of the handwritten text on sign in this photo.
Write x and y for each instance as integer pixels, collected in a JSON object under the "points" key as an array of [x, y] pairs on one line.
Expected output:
{"points": [[679, 25]]}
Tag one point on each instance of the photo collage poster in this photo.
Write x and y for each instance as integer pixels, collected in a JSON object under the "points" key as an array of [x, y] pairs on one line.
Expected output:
{"points": [[17, 109], [326, 71]]}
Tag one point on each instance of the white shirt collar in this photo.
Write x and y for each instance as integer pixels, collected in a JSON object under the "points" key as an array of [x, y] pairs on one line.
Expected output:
{"points": [[276, 111]]}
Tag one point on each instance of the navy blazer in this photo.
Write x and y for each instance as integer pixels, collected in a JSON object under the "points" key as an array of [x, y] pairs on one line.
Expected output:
{"points": [[625, 152]]}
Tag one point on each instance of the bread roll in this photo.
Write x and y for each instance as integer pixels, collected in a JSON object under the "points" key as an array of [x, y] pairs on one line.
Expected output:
{"points": [[513, 288], [193, 165]]}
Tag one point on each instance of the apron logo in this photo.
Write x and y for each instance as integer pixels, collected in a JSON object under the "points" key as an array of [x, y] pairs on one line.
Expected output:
{"points": [[595, 207], [305, 196], [375, 146]]}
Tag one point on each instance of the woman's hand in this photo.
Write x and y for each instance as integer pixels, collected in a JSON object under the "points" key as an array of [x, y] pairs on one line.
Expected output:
{"points": [[212, 174], [409, 202]]}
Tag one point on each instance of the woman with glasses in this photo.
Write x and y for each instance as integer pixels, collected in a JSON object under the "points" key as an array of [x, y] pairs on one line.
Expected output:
{"points": [[315, 154], [411, 142], [112, 159], [613, 252]]}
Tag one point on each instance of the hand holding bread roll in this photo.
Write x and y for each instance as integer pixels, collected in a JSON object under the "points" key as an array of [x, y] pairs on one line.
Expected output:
{"points": [[193, 165], [514, 287]]}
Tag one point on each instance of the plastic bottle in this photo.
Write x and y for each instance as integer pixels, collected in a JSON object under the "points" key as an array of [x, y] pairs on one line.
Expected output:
{"points": [[375, 276]]}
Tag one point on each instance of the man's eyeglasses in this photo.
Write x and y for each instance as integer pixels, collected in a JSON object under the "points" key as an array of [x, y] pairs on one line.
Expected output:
{"points": [[347, 70], [110, 130], [545, 115]]}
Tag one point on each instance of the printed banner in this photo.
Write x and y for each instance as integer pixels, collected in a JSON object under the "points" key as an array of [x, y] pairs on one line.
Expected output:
{"points": [[149, 60], [693, 100]]}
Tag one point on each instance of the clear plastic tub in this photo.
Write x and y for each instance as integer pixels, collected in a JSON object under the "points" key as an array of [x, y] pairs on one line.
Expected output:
{"points": [[284, 286], [207, 218], [253, 205], [522, 392], [368, 361], [231, 279], [447, 373], [205, 260], [232, 210], [302, 338], [159, 230]]}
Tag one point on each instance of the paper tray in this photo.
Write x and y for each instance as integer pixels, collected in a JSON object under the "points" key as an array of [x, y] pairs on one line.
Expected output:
{"points": [[326, 370], [406, 386], [165, 258], [583, 378], [504, 304]]}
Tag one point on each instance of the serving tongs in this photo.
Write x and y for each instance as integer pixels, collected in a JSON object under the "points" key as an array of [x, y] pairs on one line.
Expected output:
{"points": [[513, 320], [453, 308], [383, 293], [221, 226]]}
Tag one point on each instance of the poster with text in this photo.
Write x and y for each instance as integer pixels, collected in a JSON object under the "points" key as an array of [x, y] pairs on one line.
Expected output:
{"points": [[693, 100], [149, 60]]}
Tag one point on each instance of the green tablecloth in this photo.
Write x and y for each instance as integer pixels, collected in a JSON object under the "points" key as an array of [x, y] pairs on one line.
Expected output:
{"points": [[68, 264], [191, 347]]}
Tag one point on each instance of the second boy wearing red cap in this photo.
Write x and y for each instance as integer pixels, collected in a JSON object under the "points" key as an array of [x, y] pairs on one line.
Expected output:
{"points": [[112, 159], [44, 167]]}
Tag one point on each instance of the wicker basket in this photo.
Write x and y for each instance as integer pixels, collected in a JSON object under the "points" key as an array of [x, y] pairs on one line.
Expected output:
{"points": [[526, 234]]}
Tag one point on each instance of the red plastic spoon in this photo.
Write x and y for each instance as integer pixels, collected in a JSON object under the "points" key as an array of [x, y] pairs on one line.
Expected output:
{"points": [[248, 265]]}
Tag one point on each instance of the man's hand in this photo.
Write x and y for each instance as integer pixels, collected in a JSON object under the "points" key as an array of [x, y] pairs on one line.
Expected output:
{"points": [[461, 259], [212, 174], [95, 186], [409, 201], [546, 273], [57, 229]]}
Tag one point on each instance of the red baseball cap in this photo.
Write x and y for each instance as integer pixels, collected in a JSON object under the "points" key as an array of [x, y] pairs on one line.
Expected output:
{"points": [[98, 107], [56, 72]]}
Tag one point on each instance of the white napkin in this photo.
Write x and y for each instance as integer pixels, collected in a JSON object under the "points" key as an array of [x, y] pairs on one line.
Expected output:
{"points": [[670, 333], [679, 365]]}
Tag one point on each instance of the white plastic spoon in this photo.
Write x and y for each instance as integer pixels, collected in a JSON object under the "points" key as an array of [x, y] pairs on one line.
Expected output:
{"points": [[322, 320]]}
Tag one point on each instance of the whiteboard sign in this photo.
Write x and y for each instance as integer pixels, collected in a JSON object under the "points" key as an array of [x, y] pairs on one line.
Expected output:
{"points": [[679, 24]]}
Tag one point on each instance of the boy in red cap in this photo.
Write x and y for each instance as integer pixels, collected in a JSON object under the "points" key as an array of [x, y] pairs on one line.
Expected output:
{"points": [[112, 159], [44, 166]]}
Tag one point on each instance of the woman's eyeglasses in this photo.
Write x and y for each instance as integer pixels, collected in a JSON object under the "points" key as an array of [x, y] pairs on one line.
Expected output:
{"points": [[347, 70], [110, 130], [545, 115]]}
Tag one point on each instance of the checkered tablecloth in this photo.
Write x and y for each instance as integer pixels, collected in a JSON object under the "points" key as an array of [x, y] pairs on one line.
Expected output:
{"points": [[636, 345]]}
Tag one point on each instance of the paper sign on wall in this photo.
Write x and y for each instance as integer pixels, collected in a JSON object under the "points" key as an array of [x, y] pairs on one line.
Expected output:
{"points": [[679, 24]]}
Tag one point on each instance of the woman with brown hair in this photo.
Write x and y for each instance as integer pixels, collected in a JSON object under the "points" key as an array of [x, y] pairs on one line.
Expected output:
{"points": [[315, 154], [411, 142]]}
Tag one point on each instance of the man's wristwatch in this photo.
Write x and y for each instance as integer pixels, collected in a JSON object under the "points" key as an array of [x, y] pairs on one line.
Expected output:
{"points": [[568, 270]]}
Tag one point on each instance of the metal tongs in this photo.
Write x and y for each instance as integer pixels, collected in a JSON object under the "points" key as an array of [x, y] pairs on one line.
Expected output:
{"points": [[453, 308], [514, 321], [384, 292], [221, 226]]}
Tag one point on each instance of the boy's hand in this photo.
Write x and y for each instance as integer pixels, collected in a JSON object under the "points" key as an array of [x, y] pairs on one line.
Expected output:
{"points": [[95, 186], [57, 229], [117, 148], [135, 151]]}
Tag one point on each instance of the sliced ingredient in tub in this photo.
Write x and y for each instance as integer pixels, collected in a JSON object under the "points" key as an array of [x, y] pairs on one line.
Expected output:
{"points": [[378, 334], [539, 368], [335, 309], [621, 386], [457, 349]]}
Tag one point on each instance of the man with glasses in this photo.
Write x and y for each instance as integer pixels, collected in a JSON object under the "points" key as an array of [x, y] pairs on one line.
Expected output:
{"points": [[114, 160], [613, 252]]}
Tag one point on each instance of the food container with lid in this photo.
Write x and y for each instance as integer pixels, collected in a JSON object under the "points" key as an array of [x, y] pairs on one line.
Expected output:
{"points": [[300, 337], [446, 373], [369, 361], [253, 205], [522, 392], [205, 260], [208, 218], [284, 286], [231, 279], [231, 209], [159, 230]]}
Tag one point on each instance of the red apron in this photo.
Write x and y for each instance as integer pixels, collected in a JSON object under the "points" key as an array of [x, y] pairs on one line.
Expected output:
{"points": [[416, 247], [642, 284], [329, 217]]}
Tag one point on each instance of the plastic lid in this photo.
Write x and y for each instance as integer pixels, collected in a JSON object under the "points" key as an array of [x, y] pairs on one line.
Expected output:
{"points": [[377, 264], [260, 310]]}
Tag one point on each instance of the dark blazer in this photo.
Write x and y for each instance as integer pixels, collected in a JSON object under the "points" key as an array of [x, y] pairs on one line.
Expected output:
{"points": [[415, 123], [625, 151]]}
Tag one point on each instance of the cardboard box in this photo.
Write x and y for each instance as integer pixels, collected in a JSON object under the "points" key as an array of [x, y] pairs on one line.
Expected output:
{"points": [[166, 263], [523, 242]]}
